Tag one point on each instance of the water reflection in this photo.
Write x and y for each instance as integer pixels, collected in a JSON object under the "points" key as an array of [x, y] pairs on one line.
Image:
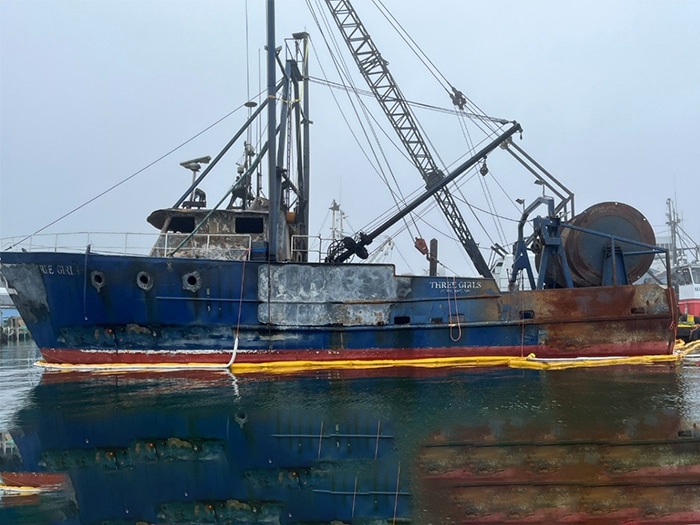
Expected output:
{"points": [[459, 446]]}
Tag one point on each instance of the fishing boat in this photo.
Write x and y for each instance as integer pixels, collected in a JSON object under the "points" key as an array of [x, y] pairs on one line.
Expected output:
{"points": [[684, 260], [237, 283], [685, 266]]}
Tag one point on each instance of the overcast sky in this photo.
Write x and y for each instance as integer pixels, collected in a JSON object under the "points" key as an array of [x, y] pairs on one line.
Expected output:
{"points": [[91, 91]]}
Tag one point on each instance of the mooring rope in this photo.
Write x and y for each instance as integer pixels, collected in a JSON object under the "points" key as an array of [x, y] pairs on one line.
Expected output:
{"points": [[240, 307]]}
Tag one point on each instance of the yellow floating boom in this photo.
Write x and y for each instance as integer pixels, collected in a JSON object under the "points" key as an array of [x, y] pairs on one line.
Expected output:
{"points": [[682, 352]]}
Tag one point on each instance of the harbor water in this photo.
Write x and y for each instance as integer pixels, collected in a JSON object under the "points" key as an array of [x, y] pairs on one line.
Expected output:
{"points": [[394, 445]]}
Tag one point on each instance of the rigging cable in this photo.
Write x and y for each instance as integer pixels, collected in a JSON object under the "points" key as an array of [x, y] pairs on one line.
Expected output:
{"points": [[249, 131], [343, 71], [478, 118], [492, 206], [483, 184], [123, 181], [442, 80], [413, 103], [465, 132], [247, 54], [452, 92], [430, 65]]}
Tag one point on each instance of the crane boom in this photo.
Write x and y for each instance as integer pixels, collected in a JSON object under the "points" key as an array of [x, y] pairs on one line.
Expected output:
{"points": [[375, 71]]}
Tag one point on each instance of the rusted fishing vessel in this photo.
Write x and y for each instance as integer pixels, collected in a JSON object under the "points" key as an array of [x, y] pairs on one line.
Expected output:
{"points": [[236, 283]]}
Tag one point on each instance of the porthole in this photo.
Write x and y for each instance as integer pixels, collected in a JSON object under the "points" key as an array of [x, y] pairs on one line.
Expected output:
{"points": [[191, 281], [97, 279], [144, 281]]}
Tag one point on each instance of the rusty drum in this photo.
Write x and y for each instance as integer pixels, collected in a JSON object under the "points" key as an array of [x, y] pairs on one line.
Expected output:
{"points": [[586, 252]]}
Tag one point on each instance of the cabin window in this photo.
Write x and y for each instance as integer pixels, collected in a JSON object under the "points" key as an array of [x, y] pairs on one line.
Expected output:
{"points": [[436, 320], [249, 225], [181, 224], [684, 277], [696, 275], [402, 319]]}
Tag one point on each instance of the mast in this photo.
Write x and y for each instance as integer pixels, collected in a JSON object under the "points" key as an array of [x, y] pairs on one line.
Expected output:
{"points": [[306, 157], [673, 224], [273, 172]]}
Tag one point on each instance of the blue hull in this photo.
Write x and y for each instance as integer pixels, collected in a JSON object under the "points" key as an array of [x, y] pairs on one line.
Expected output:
{"points": [[90, 308]]}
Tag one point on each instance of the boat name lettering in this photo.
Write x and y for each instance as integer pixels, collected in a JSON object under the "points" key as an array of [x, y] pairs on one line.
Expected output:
{"points": [[455, 285], [59, 269]]}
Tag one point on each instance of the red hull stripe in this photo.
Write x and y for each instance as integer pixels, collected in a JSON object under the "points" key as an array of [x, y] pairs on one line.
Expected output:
{"points": [[371, 357], [689, 306]]}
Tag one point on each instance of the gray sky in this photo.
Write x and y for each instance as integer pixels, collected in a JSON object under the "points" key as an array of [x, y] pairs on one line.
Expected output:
{"points": [[92, 91]]}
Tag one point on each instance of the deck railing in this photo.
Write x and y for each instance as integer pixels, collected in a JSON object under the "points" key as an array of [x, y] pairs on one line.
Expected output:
{"points": [[137, 244], [313, 246], [217, 246]]}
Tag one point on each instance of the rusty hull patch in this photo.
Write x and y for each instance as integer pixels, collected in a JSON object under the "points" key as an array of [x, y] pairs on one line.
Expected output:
{"points": [[613, 302], [623, 315]]}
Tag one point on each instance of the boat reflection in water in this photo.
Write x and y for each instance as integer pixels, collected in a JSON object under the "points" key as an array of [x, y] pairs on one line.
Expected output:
{"points": [[358, 447]]}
